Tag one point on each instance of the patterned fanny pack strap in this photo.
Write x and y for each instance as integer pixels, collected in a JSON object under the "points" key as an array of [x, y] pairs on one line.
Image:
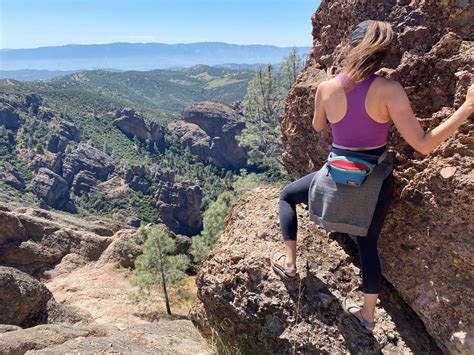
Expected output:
{"points": [[381, 158]]}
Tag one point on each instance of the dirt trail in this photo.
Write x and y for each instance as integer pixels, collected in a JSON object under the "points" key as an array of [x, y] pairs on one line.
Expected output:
{"points": [[103, 291]]}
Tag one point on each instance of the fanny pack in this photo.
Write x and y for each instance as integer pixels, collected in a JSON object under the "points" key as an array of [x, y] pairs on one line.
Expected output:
{"points": [[349, 170]]}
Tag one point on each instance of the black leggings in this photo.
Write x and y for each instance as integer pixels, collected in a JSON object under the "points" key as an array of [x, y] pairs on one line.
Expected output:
{"points": [[297, 192]]}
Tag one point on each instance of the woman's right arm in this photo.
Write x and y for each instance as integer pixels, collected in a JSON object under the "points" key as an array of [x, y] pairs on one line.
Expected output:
{"points": [[401, 113]]}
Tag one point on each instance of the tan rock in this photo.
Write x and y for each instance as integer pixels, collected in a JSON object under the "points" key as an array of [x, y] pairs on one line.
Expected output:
{"points": [[245, 306], [426, 244]]}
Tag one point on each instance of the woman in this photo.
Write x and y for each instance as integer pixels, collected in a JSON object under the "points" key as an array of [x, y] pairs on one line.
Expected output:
{"points": [[360, 107]]}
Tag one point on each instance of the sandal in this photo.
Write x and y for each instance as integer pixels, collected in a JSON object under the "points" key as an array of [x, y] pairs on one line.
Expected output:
{"points": [[364, 325], [282, 271]]}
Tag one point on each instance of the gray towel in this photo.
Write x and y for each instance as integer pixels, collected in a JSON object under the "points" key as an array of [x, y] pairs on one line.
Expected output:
{"points": [[342, 208]]}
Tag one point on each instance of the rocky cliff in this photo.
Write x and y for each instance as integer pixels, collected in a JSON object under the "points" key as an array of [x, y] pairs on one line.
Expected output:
{"points": [[244, 304], [60, 291], [209, 129], [426, 246]]}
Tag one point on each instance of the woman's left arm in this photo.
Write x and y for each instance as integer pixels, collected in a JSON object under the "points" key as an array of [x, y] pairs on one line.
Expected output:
{"points": [[319, 117]]}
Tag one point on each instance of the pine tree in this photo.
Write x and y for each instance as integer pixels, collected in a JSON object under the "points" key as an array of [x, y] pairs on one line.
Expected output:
{"points": [[291, 67], [213, 221], [263, 110], [157, 266]]}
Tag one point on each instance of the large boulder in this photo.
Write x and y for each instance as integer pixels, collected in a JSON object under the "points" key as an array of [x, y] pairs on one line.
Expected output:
{"points": [[63, 133], [209, 129], [8, 117], [12, 177], [22, 301], [136, 177], [30, 340], [244, 304], [26, 302], [179, 206], [52, 189], [84, 182], [425, 243], [133, 124], [123, 250], [87, 158], [37, 241]]}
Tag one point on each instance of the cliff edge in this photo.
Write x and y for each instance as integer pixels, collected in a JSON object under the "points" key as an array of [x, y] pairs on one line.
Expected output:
{"points": [[426, 244], [246, 308]]}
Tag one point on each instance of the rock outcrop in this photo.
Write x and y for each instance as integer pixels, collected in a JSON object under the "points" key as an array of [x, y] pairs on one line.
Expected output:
{"points": [[26, 302], [26, 341], [8, 117], [136, 178], [133, 124], [209, 129], [52, 189], [250, 310], [84, 182], [179, 205], [37, 241], [63, 133], [122, 250], [426, 242], [90, 159], [163, 337], [12, 177]]}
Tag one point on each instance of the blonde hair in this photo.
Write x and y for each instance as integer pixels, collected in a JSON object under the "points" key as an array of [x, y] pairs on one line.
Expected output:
{"points": [[367, 56]]}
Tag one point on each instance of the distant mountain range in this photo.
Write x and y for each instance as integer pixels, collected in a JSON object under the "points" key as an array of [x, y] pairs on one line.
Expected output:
{"points": [[140, 56], [36, 74]]}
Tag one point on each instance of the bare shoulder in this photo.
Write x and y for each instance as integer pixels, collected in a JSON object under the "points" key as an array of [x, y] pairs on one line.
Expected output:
{"points": [[389, 85], [329, 86]]}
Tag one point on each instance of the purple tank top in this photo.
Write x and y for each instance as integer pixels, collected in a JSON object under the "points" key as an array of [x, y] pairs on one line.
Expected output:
{"points": [[356, 129]]}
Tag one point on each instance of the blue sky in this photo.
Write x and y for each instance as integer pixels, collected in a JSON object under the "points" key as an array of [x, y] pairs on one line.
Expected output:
{"points": [[38, 23]]}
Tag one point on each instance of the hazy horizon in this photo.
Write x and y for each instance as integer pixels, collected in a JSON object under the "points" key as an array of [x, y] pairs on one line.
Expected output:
{"points": [[85, 22], [180, 43]]}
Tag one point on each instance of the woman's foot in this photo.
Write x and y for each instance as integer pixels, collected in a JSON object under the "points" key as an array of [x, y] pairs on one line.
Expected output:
{"points": [[279, 261], [362, 320], [359, 312]]}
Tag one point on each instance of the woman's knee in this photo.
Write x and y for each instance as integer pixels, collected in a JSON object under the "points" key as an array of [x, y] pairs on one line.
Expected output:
{"points": [[285, 194]]}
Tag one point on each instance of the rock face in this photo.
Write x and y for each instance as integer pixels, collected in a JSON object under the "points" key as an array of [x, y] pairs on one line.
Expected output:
{"points": [[13, 178], [84, 182], [136, 178], [252, 311], [35, 241], [63, 133], [26, 302], [426, 240], [52, 189], [155, 338], [133, 124], [8, 117], [90, 159], [209, 130], [179, 206]]}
